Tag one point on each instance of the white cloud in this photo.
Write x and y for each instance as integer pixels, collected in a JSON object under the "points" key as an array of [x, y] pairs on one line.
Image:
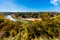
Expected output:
{"points": [[9, 6], [6, 6], [55, 9], [55, 2]]}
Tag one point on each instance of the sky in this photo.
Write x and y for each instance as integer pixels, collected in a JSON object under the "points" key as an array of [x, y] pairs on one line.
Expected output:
{"points": [[29, 5]]}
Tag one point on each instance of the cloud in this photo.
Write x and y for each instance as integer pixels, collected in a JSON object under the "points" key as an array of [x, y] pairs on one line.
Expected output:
{"points": [[55, 9], [6, 6], [9, 6], [54, 2]]}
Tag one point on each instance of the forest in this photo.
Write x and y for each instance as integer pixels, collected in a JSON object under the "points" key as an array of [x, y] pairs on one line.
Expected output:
{"points": [[48, 28]]}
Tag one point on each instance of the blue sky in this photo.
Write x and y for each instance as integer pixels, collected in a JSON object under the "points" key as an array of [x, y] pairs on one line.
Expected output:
{"points": [[29, 5]]}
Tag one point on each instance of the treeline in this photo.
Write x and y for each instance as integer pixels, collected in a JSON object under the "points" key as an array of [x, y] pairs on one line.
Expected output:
{"points": [[34, 14], [29, 14]]}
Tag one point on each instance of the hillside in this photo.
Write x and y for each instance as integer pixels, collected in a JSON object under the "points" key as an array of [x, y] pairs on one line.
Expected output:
{"points": [[48, 28]]}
